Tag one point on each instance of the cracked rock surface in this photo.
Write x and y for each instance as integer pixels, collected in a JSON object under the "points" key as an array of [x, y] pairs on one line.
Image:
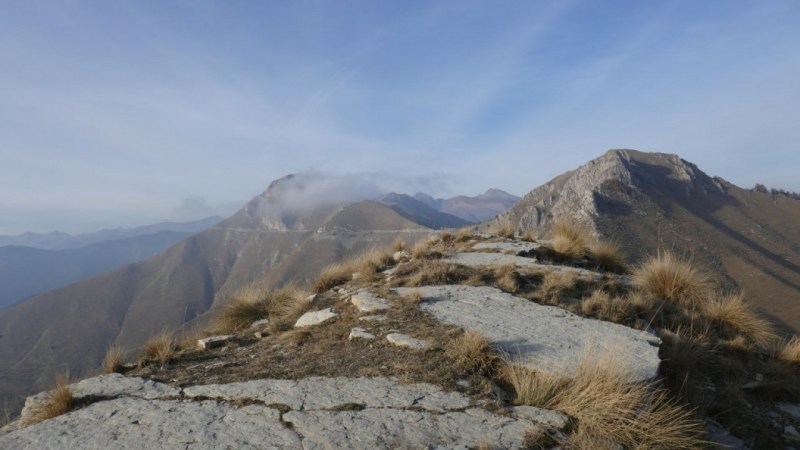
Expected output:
{"points": [[311, 413], [545, 338]]}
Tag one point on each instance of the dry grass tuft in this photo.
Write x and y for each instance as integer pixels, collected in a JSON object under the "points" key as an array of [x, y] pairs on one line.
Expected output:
{"points": [[332, 276], [463, 234], [433, 273], [114, 359], [372, 262], [507, 278], [603, 306], [424, 249], [413, 298], [557, 284], [527, 236], [506, 230], [671, 278], [242, 309], [160, 347], [530, 387], [789, 350], [610, 407], [732, 316], [285, 307], [399, 244], [59, 401], [608, 257], [472, 353], [570, 240]]}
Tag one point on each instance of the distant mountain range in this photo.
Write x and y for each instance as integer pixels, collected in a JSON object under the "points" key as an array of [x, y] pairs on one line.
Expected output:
{"points": [[275, 239], [26, 271], [472, 209], [647, 202], [58, 240]]}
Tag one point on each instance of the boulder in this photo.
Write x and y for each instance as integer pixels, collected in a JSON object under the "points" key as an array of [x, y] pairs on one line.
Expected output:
{"points": [[366, 302], [315, 318], [213, 341], [403, 340]]}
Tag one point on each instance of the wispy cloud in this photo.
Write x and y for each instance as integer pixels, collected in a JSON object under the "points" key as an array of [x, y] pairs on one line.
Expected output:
{"points": [[122, 110]]}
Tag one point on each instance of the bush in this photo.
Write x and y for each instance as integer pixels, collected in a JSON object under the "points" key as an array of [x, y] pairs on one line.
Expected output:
{"points": [[472, 353], [732, 316]]}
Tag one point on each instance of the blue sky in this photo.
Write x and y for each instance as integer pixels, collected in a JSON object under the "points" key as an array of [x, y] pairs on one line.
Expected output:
{"points": [[125, 113]]}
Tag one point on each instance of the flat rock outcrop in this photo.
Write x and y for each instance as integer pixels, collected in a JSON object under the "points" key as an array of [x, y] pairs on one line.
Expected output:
{"points": [[545, 338], [318, 412]]}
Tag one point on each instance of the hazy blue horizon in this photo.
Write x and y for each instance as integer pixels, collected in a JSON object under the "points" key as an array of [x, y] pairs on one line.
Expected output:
{"points": [[127, 113]]}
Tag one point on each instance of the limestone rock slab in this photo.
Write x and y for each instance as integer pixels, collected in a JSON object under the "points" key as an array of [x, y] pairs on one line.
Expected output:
{"points": [[517, 246], [360, 333], [213, 341], [393, 428], [315, 318], [544, 338], [367, 302], [404, 340], [128, 422]]}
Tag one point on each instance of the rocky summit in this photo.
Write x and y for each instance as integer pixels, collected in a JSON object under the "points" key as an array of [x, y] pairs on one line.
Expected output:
{"points": [[464, 341]]}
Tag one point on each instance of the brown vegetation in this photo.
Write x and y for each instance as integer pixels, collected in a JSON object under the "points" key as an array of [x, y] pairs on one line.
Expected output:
{"points": [[732, 317], [57, 402], [472, 353], [114, 359], [607, 257], [668, 277], [160, 348], [570, 240]]}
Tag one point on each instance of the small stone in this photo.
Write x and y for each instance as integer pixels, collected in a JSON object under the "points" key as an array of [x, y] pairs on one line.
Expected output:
{"points": [[463, 383], [259, 334], [791, 409], [366, 302], [791, 431], [356, 276], [213, 341], [403, 340], [312, 298], [315, 317], [360, 333], [759, 377], [260, 323]]}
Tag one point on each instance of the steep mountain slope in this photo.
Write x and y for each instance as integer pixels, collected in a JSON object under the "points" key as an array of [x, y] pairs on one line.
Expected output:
{"points": [[283, 233], [652, 201], [26, 271], [472, 209], [62, 241]]}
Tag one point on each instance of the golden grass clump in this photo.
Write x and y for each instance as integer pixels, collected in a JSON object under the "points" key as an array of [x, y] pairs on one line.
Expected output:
{"points": [[507, 278], [527, 236], [58, 401], [731, 315], [433, 273], [243, 308], [372, 262], [789, 350], [601, 305], [609, 406], [399, 244], [506, 230], [423, 249], [570, 240], [332, 276], [668, 277], [114, 359], [285, 307], [557, 284], [608, 257], [160, 347], [472, 353], [463, 234]]}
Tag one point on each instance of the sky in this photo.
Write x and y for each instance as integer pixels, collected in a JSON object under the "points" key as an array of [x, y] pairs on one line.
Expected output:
{"points": [[124, 113]]}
